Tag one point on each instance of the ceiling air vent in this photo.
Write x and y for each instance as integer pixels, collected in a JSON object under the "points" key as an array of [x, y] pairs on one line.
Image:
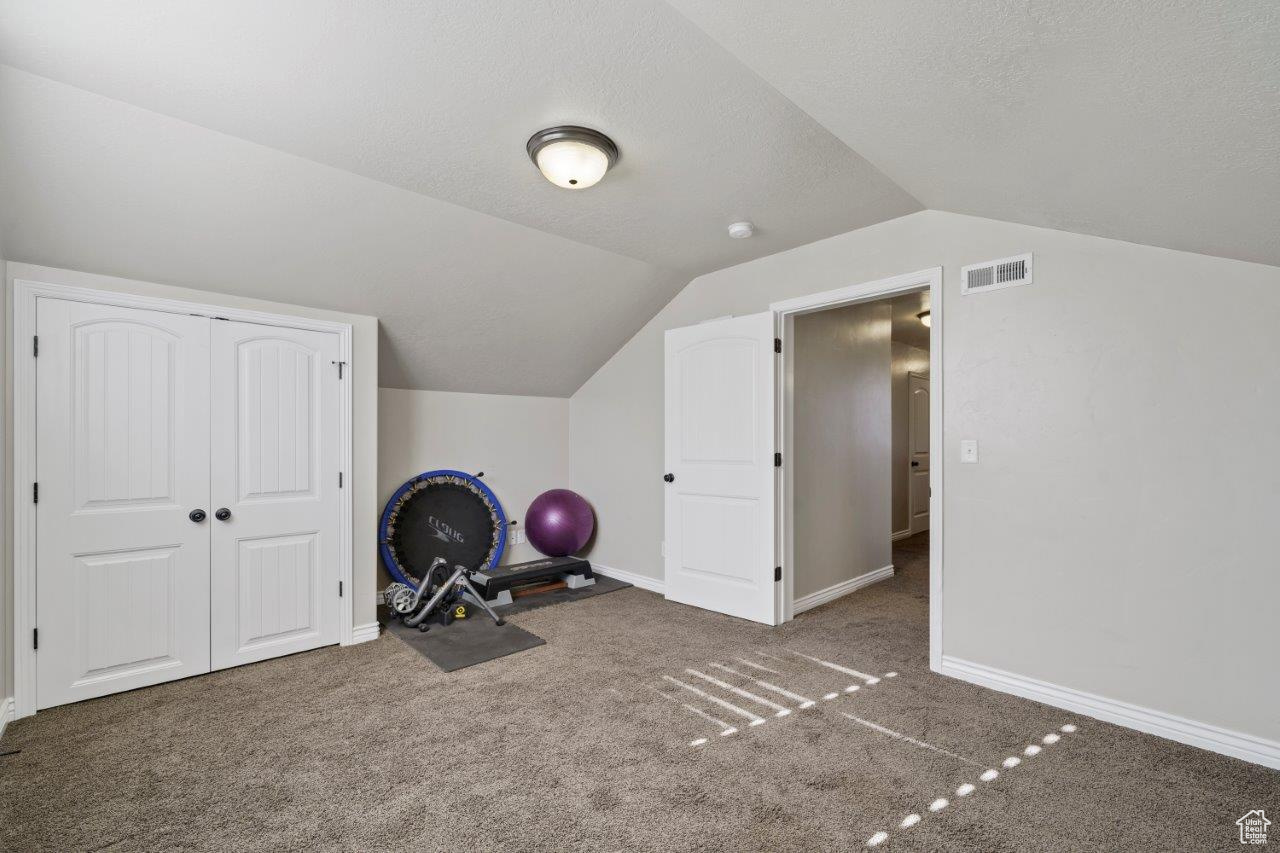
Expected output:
{"points": [[994, 275]]}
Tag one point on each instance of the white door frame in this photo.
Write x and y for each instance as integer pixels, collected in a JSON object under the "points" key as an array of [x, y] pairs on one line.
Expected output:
{"points": [[785, 313], [25, 294]]}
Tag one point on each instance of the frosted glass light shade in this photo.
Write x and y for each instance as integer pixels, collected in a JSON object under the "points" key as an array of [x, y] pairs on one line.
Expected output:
{"points": [[923, 317], [571, 164], [572, 157]]}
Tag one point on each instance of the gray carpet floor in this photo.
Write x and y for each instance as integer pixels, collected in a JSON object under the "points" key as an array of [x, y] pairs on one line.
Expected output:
{"points": [[585, 744]]}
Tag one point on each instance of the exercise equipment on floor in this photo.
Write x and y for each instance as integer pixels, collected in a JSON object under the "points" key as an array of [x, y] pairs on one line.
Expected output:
{"points": [[436, 520], [446, 603], [449, 518], [559, 522], [502, 585], [443, 513]]}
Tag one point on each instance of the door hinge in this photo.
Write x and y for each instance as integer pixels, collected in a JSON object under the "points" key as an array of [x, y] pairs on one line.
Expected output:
{"points": [[777, 344], [339, 589], [340, 364], [777, 574], [35, 639], [35, 346], [339, 479], [35, 493], [777, 460]]}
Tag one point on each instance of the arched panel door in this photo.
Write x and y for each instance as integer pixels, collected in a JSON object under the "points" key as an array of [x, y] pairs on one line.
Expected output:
{"points": [[719, 478], [122, 567], [274, 491]]}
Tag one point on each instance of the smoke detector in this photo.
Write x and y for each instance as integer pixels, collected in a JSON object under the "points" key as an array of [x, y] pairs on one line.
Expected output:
{"points": [[741, 230]]}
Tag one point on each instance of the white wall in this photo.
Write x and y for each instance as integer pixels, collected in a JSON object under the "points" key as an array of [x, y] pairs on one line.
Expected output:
{"points": [[841, 446], [906, 359], [364, 373], [520, 443], [1114, 537], [6, 517]]}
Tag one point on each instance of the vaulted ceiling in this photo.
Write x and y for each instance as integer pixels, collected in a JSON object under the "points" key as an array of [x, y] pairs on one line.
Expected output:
{"points": [[1153, 121], [368, 156]]}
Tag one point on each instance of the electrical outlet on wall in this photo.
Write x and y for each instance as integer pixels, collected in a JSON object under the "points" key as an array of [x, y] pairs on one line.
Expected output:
{"points": [[518, 537], [969, 450]]}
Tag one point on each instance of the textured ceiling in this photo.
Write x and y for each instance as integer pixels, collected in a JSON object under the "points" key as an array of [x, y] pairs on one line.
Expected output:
{"points": [[429, 102], [1154, 121], [367, 155], [467, 301], [439, 98]]}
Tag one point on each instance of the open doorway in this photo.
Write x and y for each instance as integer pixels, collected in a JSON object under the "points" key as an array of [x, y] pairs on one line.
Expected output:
{"points": [[730, 449], [859, 415], [860, 427]]}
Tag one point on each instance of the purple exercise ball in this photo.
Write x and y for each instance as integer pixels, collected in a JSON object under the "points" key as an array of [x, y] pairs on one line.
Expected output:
{"points": [[559, 522]]}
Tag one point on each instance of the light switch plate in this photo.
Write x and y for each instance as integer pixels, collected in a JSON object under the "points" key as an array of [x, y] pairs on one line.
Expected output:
{"points": [[969, 450]]}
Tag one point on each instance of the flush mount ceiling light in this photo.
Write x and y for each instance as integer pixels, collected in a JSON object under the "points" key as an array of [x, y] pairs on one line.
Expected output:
{"points": [[572, 157], [923, 317]]}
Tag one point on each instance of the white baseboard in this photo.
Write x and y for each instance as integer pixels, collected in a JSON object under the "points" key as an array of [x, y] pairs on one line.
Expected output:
{"points": [[841, 589], [901, 534], [7, 712], [1202, 735], [364, 633], [642, 581]]}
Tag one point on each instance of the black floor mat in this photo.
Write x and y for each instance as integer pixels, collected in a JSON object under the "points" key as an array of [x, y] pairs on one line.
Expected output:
{"points": [[466, 642]]}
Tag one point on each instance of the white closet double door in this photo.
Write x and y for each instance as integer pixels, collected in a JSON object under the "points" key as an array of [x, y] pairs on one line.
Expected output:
{"points": [[187, 516]]}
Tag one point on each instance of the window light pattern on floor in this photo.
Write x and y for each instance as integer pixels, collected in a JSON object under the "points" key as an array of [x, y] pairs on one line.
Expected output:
{"points": [[964, 790], [754, 677], [899, 736]]}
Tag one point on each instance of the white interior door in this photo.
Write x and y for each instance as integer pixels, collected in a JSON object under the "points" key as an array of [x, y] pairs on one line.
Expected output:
{"points": [[719, 504], [275, 474], [918, 439], [122, 572]]}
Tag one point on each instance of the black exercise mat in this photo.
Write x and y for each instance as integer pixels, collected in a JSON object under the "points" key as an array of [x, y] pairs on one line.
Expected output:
{"points": [[476, 639], [560, 596], [466, 642]]}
